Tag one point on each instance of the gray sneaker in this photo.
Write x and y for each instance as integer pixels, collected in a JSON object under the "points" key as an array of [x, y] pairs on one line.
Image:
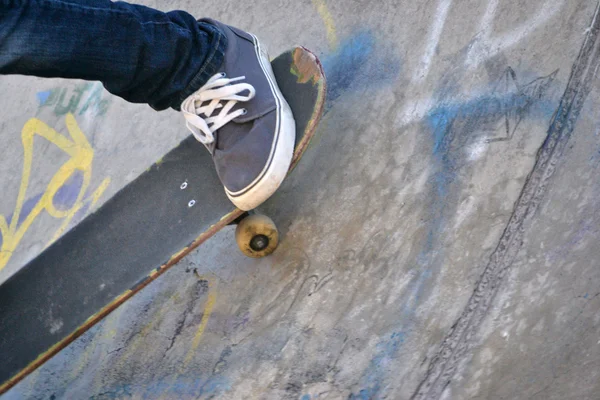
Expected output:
{"points": [[243, 120]]}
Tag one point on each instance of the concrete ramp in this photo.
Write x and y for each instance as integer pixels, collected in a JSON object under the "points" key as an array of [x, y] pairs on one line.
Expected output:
{"points": [[440, 241]]}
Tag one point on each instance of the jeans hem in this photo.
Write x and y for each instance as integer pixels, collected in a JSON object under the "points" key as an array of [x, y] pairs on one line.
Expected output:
{"points": [[211, 65]]}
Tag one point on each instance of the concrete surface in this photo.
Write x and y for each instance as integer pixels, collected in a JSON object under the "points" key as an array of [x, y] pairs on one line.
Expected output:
{"points": [[439, 242]]}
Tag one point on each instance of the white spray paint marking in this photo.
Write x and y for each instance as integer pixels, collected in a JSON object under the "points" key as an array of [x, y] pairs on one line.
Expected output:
{"points": [[486, 47], [476, 150], [466, 208], [433, 40], [414, 111]]}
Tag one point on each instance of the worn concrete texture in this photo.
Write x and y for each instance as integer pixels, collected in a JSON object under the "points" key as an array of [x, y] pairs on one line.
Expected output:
{"points": [[439, 240]]}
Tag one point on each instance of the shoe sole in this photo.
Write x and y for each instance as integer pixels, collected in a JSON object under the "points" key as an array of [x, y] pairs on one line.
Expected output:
{"points": [[282, 148]]}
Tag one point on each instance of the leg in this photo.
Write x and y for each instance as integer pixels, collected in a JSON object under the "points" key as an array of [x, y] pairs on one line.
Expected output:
{"points": [[219, 76], [138, 53]]}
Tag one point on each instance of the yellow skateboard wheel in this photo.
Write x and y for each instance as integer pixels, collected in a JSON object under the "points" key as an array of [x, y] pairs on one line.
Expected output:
{"points": [[257, 236]]}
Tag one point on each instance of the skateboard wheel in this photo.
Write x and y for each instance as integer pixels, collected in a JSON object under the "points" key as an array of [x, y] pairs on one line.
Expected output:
{"points": [[257, 236]]}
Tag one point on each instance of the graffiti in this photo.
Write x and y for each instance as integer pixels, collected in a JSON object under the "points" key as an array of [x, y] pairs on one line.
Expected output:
{"points": [[485, 46], [210, 303], [481, 49], [358, 63], [328, 22], [386, 352], [71, 181], [496, 115], [82, 98], [522, 98], [204, 287], [455, 128], [353, 63], [434, 38], [175, 323]]}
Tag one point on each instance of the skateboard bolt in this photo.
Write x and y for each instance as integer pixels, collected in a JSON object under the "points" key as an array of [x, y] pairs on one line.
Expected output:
{"points": [[259, 242]]}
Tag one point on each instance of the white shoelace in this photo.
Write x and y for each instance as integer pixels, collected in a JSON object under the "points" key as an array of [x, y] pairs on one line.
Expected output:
{"points": [[198, 108]]}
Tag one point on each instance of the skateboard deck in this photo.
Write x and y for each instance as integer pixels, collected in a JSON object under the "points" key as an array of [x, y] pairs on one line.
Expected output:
{"points": [[145, 229]]}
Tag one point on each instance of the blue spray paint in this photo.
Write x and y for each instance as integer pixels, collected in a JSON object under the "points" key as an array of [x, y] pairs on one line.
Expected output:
{"points": [[25, 209], [43, 97], [358, 63], [64, 199], [66, 195], [386, 352]]}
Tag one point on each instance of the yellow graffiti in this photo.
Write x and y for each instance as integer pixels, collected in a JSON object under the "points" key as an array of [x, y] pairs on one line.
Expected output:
{"points": [[329, 23], [141, 337], [210, 303], [206, 313], [81, 156]]}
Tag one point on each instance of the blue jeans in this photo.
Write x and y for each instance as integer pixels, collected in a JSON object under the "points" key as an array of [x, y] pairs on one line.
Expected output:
{"points": [[140, 54]]}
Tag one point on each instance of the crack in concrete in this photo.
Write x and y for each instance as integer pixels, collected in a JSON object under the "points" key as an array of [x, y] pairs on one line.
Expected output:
{"points": [[200, 290], [108, 353], [462, 335]]}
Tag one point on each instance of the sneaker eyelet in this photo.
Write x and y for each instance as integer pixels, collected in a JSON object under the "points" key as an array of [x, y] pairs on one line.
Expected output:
{"points": [[223, 74], [244, 111]]}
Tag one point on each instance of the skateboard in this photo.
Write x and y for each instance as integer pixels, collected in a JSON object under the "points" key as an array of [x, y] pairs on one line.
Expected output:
{"points": [[137, 235]]}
